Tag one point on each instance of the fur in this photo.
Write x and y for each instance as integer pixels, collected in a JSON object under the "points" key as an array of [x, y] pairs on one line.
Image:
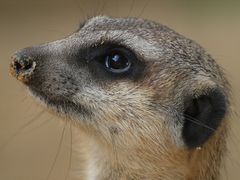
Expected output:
{"points": [[131, 128]]}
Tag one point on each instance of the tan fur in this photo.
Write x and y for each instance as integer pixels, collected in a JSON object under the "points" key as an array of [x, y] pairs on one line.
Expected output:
{"points": [[143, 162], [133, 131]]}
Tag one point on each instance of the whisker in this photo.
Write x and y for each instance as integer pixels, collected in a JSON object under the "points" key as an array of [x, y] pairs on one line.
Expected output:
{"points": [[233, 160], [40, 125], [82, 10], [196, 121], [225, 171], [116, 4], [143, 9], [70, 154], [20, 130], [58, 151], [102, 9], [131, 8]]}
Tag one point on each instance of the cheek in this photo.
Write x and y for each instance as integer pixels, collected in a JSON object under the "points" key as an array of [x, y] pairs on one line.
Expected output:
{"points": [[127, 116], [113, 104], [137, 131]]}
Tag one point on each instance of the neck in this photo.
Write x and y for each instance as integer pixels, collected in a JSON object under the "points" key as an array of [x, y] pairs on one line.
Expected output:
{"points": [[102, 161]]}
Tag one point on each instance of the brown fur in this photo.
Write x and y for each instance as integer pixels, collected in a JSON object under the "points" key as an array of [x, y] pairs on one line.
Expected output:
{"points": [[132, 130]]}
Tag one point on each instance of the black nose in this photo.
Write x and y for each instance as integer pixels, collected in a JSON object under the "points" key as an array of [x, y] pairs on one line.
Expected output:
{"points": [[22, 67]]}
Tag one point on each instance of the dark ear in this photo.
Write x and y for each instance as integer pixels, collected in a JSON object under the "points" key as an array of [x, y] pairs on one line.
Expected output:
{"points": [[202, 116]]}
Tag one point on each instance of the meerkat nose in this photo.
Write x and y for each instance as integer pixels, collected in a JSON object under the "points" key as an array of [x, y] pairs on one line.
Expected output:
{"points": [[22, 67]]}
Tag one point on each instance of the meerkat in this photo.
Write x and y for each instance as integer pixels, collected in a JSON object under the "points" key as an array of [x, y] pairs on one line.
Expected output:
{"points": [[147, 102]]}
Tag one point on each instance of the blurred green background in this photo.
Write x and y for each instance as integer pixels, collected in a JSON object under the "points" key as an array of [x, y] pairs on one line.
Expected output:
{"points": [[28, 153]]}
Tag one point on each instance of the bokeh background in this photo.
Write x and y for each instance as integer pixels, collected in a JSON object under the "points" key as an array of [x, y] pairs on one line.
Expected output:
{"points": [[30, 137]]}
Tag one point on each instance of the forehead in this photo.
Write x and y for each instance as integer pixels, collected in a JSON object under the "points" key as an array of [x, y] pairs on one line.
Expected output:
{"points": [[145, 38], [144, 28], [149, 40], [104, 22]]}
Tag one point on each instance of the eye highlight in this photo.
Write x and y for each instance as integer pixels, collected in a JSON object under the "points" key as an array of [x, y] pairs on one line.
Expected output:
{"points": [[117, 62], [114, 62]]}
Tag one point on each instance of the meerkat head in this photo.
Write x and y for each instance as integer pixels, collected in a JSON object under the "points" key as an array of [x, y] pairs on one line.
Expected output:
{"points": [[130, 79]]}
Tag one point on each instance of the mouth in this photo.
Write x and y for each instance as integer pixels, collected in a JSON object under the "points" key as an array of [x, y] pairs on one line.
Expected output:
{"points": [[61, 106]]}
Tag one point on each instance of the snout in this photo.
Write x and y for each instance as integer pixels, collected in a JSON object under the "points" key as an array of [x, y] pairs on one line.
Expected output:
{"points": [[22, 67]]}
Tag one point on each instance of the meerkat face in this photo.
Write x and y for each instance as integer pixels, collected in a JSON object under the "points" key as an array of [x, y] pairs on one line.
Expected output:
{"points": [[129, 78]]}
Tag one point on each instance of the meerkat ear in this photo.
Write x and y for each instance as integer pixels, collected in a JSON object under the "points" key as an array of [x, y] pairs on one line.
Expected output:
{"points": [[202, 116]]}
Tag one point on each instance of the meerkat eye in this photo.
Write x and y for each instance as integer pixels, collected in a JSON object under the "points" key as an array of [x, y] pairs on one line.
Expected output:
{"points": [[117, 62]]}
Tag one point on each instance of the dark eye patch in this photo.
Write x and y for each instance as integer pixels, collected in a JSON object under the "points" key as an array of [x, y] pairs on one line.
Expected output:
{"points": [[110, 61]]}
